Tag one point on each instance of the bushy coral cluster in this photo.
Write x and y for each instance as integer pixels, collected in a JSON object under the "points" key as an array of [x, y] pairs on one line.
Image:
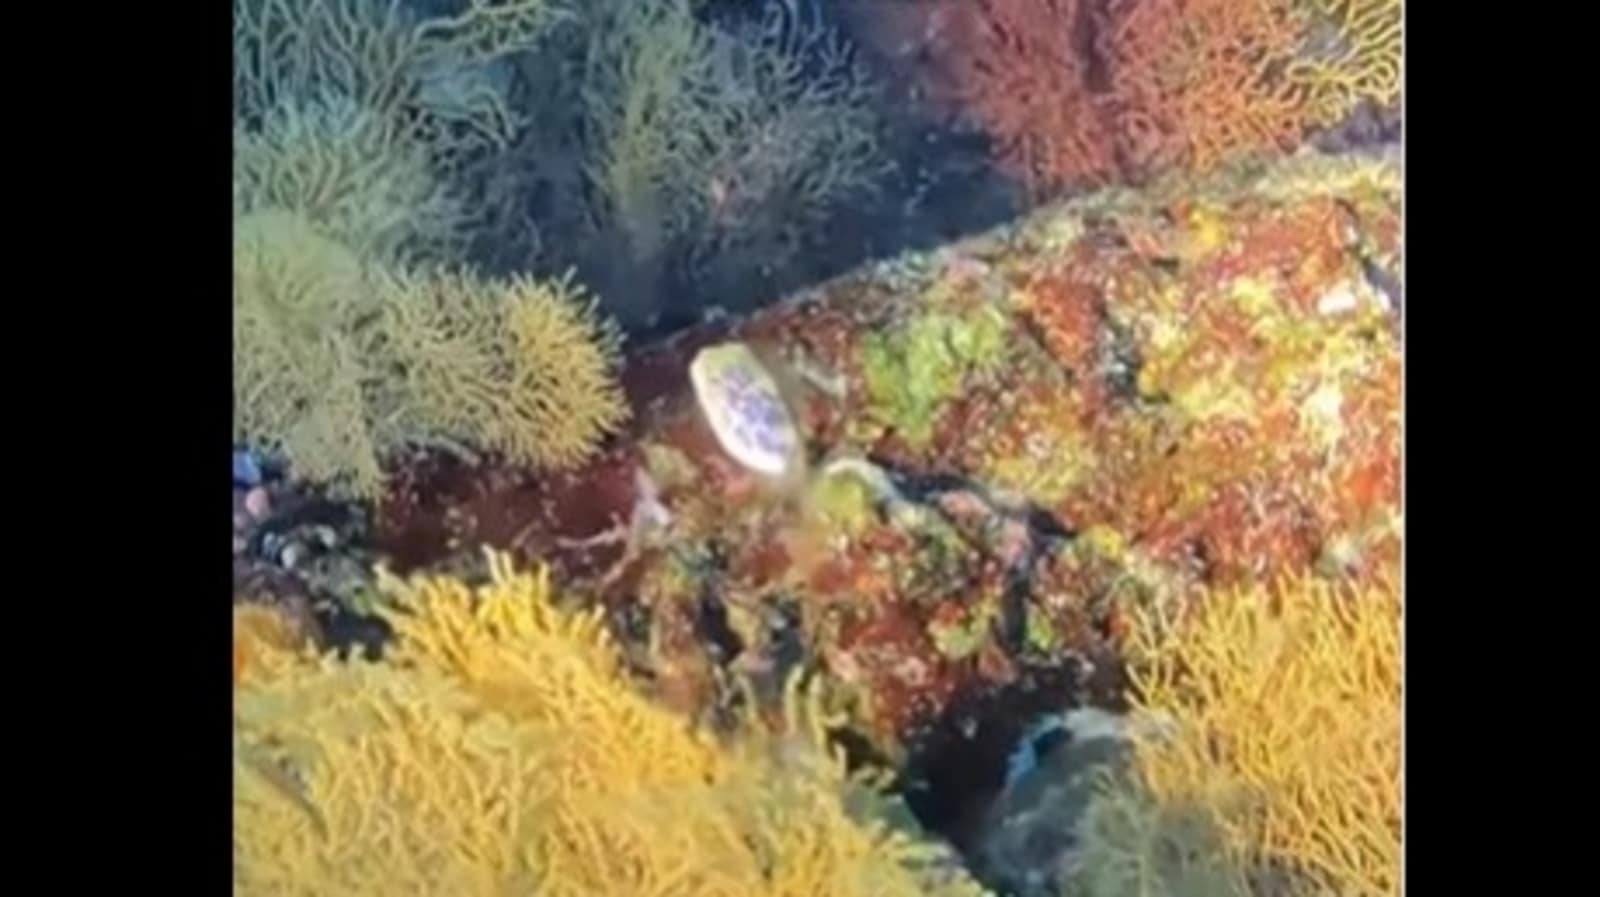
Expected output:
{"points": [[1352, 55], [340, 363], [358, 330], [1277, 721], [1078, 93], [679, 147], [363, 115], [519, 366], [499, 749]]}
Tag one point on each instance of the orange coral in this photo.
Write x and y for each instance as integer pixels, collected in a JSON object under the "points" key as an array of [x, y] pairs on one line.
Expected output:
{"points": [[1080, 93], [1195, 79]]}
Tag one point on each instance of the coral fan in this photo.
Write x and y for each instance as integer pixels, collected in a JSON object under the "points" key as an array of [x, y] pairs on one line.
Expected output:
{"points": [[1354, 56], [1021, 69], [712, 145], [499, 750], [1078, 93], [520, 366], [1280, 711], [298, 369], [338, 364], [1196, 80], [360, 115], [343, 168], [385, 58]]}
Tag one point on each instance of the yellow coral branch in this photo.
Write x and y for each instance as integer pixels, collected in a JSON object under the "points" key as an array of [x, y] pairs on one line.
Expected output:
{"points": [[499, 750], [1285, 705], [1360, 59]]}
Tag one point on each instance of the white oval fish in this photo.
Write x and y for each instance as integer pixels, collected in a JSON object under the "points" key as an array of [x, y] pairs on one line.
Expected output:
{"points": [[745, 407]]}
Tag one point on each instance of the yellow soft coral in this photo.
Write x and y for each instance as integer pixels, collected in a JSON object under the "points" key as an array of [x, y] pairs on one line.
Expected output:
{"points": [[260, 635], [498, 750], [1358, 57], [521, 366], [509, 645], [340, 362], [297, 368], [1282, 712], [360, 779]]}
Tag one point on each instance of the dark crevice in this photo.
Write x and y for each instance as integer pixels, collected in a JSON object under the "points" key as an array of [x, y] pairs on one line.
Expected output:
{"points": [[956, 771]]}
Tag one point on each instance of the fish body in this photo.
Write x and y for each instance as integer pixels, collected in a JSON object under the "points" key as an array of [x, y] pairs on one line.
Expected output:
{"points": [[746, 409]]}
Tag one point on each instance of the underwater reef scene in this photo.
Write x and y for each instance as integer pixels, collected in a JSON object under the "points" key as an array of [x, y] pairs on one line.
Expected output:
{"points": [[819, 448]]}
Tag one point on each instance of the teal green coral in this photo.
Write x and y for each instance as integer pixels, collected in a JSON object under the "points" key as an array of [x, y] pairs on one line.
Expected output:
{"points": [[912, 374]]}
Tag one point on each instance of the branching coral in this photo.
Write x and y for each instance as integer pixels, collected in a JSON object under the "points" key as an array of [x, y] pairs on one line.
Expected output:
{"points": [[1077, 93], [796, 137], [1021, 69], [337, 363], [364, 118], [520, 366], [422, 75], [717, 144], [499, 751], [356, 779], [360, 115], [1354, 56], [299, 370], [1196, 80], [1283, 712], [644, 69], [344, 169]]}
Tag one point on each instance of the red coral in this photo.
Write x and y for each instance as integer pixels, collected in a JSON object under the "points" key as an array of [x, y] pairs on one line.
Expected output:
{"points": [[1022, 71], [1196, 80], [1078, 92]]}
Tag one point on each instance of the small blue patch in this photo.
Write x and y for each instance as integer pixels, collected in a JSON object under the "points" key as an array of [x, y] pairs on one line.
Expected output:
{"points": [[1025, 757], [246, 469]]}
